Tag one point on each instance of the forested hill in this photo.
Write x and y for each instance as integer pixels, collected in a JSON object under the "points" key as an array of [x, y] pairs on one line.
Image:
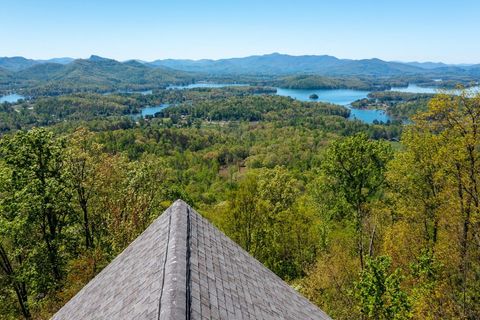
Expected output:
{"points": [[97, 69], [93, 74], [20, 63], [4, 74]]}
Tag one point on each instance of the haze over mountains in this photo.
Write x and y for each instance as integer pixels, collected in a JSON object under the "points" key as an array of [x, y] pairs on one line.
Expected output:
{"points": [[270, 64], [276, 63]]}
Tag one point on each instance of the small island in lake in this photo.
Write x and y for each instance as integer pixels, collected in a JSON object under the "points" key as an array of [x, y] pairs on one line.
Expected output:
{"points": [[314, 96]]}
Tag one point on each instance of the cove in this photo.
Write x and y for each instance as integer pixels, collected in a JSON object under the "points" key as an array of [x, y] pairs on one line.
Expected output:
{"points": [[342, 97], [12, 98]]}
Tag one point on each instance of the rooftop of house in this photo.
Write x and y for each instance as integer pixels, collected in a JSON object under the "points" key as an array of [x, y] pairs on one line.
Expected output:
{"points": [[182, 267]]}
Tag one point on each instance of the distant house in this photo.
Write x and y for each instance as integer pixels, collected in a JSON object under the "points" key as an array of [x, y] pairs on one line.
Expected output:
{"points": [[182, 267]]}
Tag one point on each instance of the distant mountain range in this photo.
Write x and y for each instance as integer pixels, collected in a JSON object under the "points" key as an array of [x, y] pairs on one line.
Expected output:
{"points": [[277, 63], [285, 64], [63, 75], [270, 64], [20, 63], [436, 65]]}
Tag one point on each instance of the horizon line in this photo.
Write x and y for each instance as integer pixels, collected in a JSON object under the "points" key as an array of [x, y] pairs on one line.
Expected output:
{"points": [[240, 57]]}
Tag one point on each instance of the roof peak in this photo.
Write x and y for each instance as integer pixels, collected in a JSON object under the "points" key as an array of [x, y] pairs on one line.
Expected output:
{"points": [[182, 267], [173, 302]]}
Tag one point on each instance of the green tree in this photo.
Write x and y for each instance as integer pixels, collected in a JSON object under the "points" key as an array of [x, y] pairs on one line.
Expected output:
{"points": [[14, 246], [245, 223], [379, 293], [452, 125], [11, 276], [41, 191], [83, 159], [418, 184], [354, 169], [35, 213], [269, 220]]}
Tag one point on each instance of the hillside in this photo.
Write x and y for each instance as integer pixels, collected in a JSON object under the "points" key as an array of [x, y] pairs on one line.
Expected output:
{"points": [[4, 74], [93, 74], [16, 63], [20, 63], [110, 72]]}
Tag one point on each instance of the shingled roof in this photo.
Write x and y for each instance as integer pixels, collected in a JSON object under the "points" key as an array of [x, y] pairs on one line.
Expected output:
{"points": [[182, 267]]}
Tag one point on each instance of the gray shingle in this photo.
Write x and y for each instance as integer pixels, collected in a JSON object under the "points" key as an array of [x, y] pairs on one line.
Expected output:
{"points": [[181, 267]]}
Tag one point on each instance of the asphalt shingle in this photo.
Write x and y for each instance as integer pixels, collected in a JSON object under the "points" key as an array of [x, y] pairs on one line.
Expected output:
{"points": [[182, 267]]}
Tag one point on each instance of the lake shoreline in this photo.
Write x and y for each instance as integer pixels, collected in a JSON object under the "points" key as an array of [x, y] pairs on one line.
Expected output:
{"points": [[343, 97]]}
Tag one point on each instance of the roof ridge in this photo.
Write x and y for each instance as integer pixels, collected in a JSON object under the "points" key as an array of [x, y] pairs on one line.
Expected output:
{"points": [[188, 302], [183, 267], [173, 295]]}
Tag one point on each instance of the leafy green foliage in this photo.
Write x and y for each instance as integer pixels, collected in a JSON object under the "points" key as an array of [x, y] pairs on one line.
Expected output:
{"points": [[35, 212], [255, 108], [355, 168], [379, 292], [354, 171], [265, 217], [363, 227]]}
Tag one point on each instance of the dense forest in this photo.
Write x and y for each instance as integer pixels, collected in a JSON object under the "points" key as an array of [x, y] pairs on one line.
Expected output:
{"points": [[373, 221]]}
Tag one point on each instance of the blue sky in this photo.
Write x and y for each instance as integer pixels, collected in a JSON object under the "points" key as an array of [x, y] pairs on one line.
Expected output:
{"points": [[407, 30]]}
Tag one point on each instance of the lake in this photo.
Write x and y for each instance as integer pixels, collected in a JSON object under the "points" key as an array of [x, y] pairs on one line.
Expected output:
{"points": [[342, 97], [143, 92], [150, 110], [345, 97], [337, 96], [12, 98], [207, 85], [413, 88]]}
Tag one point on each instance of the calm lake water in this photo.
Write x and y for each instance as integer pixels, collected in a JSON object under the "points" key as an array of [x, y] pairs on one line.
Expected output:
{"points": [[345, 97], [12, 98], [208, 85], [144, 92], [413, 88], [150, 111], [338, 96]]}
